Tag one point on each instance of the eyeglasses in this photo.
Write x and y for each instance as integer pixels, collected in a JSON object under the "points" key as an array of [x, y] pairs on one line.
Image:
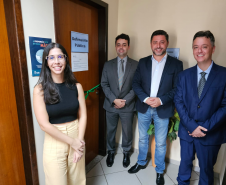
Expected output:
{"points": [[53, 57]]}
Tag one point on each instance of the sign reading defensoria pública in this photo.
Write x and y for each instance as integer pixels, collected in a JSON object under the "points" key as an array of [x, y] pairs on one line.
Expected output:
{"points": [[79, 42]]}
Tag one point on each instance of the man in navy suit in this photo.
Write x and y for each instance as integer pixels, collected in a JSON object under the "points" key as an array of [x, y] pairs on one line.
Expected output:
{"points": [[155, 83], [200, 100]]}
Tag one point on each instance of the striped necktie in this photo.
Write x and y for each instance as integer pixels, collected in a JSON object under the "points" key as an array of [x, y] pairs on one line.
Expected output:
{"points": [[121, 74], [202, 82]]}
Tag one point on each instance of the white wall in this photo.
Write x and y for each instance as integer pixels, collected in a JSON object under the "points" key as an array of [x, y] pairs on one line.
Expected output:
{"points": [[38, 21], [181, 19]]}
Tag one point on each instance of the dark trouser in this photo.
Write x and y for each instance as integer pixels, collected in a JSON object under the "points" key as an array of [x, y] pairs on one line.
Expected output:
{"points": [[207, 156], [127, 129]]}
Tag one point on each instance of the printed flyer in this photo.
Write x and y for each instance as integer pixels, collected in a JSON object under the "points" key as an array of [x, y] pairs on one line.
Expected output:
{"points": [[37, 46]]}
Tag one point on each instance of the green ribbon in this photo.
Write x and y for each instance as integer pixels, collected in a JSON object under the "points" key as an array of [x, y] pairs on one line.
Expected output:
{"points": [[89, 91]]}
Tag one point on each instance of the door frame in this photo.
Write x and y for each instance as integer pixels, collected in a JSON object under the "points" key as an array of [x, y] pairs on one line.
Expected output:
{"points": [[14, 24], [102, 8]]}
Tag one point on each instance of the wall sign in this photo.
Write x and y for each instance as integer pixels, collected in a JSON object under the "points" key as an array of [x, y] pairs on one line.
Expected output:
{"points": [[37, 46], [79, 62], [79, 42], [173, 52]]}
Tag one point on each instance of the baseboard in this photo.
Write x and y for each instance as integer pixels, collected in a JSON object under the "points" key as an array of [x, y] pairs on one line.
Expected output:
{"points": [[102, 152], [93, 163]]}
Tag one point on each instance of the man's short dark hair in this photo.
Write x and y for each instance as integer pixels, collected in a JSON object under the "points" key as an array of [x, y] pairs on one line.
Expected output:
{"points": [[160, 32], [122, 36], [206, 34]]}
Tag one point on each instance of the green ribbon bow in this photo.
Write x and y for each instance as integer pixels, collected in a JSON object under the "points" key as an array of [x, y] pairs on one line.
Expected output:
{"points": [[89, 91]]}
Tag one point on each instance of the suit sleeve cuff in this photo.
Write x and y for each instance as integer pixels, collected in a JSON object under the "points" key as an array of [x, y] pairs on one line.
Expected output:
{"points": [[161, 101], [112, 100], [145, 99], [192, 126]]}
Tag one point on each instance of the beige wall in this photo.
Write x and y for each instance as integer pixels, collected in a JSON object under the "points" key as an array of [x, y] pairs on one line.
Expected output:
{"points": [[112, 26], [181, 19]]}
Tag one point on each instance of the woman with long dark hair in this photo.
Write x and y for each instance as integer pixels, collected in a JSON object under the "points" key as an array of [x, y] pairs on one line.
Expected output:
{"points": [[59, 106]]}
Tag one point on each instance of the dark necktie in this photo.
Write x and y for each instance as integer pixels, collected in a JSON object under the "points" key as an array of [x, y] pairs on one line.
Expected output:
{"points": [[121, 74], [202, 82]]}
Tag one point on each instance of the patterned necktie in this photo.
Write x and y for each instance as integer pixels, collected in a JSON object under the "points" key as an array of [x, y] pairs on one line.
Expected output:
{"points": [[202, 82], [120, 74]]}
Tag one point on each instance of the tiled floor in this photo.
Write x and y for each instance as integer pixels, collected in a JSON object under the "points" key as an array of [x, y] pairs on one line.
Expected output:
{"points": [[100, 174]]}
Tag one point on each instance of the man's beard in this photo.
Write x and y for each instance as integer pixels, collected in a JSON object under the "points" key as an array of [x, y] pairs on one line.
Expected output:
{"points": [[163, 52], [122, 54]]}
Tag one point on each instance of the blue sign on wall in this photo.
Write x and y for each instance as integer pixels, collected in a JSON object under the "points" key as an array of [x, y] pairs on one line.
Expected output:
{"points": [[173, 52], [79, 42], [37, 46]]}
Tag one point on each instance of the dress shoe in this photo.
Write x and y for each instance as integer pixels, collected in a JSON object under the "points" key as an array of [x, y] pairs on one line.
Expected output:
{"points": [[136, 168], [110, 159], [126, 159], [160, 179]]}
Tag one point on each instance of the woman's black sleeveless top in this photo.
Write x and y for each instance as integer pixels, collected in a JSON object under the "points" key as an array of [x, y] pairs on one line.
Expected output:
{"points": [[66, 109]]}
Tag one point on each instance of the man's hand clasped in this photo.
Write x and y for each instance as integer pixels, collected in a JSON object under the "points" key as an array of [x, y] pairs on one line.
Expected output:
{"points": [[153, 102], [198, 132], [119, 103]]}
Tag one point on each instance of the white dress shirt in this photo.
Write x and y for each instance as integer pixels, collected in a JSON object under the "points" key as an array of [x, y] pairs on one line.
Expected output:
{"points": [[157, 69]]}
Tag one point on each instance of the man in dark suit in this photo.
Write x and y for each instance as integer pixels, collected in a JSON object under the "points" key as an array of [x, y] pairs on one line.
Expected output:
{"points": [[200, 100], [119, 101], [155, 83]]}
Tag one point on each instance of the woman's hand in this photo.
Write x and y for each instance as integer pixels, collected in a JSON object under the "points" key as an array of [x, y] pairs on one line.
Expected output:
{"points": [[77, 157], [78, 145]]}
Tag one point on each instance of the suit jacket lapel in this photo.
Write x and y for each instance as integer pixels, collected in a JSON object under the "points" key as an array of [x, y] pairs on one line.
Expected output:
{"points": [[194, 84], [128, 66], [166, 68], [209, 81], [149, 72], [115, 70]]}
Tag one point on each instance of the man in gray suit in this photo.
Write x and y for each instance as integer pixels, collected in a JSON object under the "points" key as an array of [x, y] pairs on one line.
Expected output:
{"points": [[119, 101]]}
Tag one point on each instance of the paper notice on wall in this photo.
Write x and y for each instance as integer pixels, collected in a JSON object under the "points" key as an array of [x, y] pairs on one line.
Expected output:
{"points": [[79, 62]]}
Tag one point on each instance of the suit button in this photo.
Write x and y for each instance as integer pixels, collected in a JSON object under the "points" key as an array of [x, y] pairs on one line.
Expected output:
{"points": [[196, 120], [198, 106]]}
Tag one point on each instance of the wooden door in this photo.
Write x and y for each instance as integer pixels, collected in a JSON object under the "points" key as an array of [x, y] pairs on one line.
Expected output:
{"points": [[80, 17], [11, 159]]}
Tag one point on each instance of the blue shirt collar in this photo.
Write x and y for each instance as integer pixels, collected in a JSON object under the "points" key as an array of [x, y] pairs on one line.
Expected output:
{"points": [[206, 71], [125, 59]]}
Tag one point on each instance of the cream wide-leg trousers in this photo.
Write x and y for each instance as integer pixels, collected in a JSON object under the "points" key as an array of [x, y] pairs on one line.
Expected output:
{"points": [[58, 159]]}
